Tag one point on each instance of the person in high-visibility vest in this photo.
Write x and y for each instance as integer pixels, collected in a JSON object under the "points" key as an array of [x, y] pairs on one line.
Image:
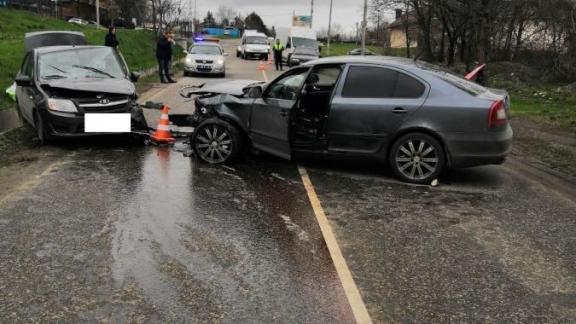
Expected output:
{"points": [[277, 49]]}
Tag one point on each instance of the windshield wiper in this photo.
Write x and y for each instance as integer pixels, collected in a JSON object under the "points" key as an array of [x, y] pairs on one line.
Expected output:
{"points": [[93, 69], [57, 68], [53, 76]]}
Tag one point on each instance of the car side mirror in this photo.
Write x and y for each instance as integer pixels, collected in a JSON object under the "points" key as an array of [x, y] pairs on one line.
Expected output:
{"points": [[134, 76], [185, 52], [255, 92], [23, 80], [288, 46]]}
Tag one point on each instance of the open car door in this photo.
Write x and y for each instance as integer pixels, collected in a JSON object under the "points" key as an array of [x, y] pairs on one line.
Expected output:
{"points": [[270, 120]]}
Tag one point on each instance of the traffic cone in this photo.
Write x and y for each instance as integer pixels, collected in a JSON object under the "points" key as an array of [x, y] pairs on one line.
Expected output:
{"points": [[269, 59], [162, 134], [261, 66]]}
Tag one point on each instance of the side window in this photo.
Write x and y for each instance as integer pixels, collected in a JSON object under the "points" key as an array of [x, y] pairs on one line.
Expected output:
{"points": [[28, 66], [376, 82], [369, 82], [408, 87], [288, 87], [324, 77]]}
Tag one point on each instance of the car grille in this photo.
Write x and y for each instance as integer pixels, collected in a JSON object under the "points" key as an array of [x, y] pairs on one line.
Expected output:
{"points": [[204, 61], [107, 104]]}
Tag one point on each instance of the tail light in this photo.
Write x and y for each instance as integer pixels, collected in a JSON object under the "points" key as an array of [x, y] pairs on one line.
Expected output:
{"points": [[497, 114]]}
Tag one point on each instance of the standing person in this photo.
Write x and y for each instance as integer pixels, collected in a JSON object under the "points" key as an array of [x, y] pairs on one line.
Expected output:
{"points": [[164, 56], [111, 39], [278, 48]]}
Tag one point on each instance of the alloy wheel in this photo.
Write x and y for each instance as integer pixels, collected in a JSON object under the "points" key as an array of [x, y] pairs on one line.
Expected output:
{"points": [[214, 144], [417, 159]]}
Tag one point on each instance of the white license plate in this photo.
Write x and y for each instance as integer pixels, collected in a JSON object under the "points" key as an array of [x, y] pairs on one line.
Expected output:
{"points": [[107, 123]]}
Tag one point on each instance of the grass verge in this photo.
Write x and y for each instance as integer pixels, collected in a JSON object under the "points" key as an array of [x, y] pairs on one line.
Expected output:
{"points": [[137, 46]]}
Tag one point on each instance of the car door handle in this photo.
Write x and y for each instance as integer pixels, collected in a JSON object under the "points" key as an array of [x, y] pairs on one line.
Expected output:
{"points": [[284, 112], [399, 110]]}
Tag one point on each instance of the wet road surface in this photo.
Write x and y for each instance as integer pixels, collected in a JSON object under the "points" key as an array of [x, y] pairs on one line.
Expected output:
{"points": [[93, 232], [484, 246], [134, 233]]}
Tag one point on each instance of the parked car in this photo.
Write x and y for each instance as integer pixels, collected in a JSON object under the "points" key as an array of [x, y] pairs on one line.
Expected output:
{"points": [[77, 21], [358, 51], [62, 79], [205, 58], [415, 116], [253, 44]]}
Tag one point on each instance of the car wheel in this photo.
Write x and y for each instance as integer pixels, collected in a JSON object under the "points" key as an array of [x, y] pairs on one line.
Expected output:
{"points": [[216, 141], [265, 57], [223, 74], [41, 129], [417, 158], [186, 73], [237, 54]]}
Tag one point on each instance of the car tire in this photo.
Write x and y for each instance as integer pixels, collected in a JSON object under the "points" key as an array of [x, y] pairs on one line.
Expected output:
{"points": [[186, 73], [216, 141], [41, 129], [417, 158], [237, 54], [223, 74], [265, 57]]}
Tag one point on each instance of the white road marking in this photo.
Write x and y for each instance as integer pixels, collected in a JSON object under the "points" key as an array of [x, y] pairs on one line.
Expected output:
{"points": [[350, 289]]}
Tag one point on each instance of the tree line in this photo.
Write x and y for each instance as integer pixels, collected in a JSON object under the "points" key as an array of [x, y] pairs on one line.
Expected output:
{"points": [[539, 32]]}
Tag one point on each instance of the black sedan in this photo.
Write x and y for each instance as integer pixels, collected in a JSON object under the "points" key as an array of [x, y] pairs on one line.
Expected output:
{"points": [[62, 80], [416, 117]]}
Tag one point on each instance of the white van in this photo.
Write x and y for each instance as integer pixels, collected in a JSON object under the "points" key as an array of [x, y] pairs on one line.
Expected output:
{"points": [[301, 45], [253, 44]]}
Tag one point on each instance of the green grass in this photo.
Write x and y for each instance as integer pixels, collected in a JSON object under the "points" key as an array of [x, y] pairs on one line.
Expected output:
{"points": [[338, 49], [559, 113], [137, 46]]}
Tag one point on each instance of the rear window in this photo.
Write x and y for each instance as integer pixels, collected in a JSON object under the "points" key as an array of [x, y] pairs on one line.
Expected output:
{"points": [[377, 82], [453, 79]]}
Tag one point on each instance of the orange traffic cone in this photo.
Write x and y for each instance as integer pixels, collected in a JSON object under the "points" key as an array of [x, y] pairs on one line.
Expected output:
{"points": [[269, 59], [162, 134], [261, 66]]}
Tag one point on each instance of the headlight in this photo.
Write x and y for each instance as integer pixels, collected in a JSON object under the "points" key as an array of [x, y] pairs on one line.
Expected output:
{"points": [[220, 62], [189, 60], [61, 105], [248, 50]]}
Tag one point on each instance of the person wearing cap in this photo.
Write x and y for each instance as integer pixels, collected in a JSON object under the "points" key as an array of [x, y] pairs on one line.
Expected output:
{"points": [[164, 56]]}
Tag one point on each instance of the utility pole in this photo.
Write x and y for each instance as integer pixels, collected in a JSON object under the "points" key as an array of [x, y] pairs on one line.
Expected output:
{"points": [[329, 27], [311, 13], [364, 27], [378, 28], [97, 14]]}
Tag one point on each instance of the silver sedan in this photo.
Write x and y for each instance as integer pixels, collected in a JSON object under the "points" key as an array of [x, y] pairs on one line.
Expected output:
{"points": [[205, 58]]}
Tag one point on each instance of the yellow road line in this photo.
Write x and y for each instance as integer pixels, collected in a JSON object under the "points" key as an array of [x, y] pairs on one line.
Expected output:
{"points": [[352, 293]]}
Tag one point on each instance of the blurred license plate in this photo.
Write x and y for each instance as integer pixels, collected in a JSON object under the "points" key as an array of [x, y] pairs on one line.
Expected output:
{"points": [[204, 67], [107, 123]]}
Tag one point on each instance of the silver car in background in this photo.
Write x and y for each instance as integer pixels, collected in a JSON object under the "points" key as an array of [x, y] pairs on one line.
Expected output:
{"points": [[205, 58]]}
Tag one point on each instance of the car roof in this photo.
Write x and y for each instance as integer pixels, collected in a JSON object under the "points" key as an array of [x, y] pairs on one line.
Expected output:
{"points": [[49, 49], [35, 40], [206, 44], [372, 59]]}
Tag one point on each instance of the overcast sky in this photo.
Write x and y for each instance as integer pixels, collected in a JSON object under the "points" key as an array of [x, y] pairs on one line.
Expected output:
{"points": [[279, 13]]}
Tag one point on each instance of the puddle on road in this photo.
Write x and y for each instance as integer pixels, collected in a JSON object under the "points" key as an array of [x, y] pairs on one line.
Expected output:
{"points": [[210, 242]]}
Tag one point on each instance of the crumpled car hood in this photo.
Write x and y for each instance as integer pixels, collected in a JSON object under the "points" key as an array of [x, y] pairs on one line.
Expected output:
{"points": [[234, 88], [119, 86]]}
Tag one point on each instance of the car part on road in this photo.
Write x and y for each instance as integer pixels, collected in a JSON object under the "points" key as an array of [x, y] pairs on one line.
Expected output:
{"points": [[417, 158], [216, 141]]}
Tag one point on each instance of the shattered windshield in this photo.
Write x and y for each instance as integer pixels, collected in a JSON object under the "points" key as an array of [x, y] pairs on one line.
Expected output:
{"points": [[81, 63]]}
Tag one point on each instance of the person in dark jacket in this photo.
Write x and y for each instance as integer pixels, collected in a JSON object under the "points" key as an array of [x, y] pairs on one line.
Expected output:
{"points": [[111, 39], [164, 56]]}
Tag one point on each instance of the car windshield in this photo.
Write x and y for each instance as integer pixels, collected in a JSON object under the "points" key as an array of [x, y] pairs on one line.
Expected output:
{"points": [[453, 78], [81, 63], [304, 42], [205, 49], [256, 40]]}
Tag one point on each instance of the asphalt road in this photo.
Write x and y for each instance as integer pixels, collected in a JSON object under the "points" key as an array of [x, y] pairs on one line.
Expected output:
{"points": [[108, 231]]}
